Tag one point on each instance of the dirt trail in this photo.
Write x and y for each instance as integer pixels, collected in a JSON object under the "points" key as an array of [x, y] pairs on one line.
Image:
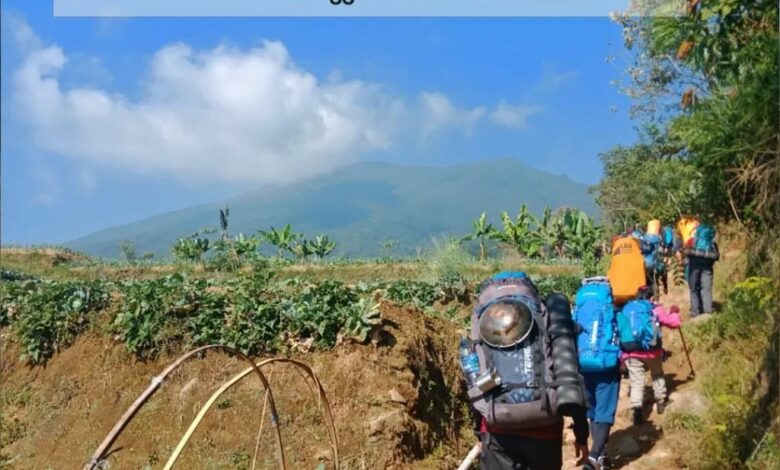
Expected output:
{"points": [[644, 447]]}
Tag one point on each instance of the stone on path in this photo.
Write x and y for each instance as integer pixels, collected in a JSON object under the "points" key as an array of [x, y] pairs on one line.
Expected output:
{"points": [[689, 402]]}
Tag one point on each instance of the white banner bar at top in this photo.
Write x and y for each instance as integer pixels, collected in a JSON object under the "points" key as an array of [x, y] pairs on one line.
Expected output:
{"points": [[365, 8]]}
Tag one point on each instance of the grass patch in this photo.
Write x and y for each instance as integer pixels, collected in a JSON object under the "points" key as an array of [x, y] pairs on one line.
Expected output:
{"points": [[740, 379]]}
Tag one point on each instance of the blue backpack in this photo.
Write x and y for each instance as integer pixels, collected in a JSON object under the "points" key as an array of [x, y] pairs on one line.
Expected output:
{"points": [[703, 238], [668, 234], [651, 249], [594, 312], [637, 326]]}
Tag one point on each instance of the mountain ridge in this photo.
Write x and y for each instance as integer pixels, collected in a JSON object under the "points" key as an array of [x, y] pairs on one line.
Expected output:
{"points": [[362, 204]]}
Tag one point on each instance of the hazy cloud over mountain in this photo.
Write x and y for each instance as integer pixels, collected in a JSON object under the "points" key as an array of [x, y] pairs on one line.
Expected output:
{"points": [[228, 113]]}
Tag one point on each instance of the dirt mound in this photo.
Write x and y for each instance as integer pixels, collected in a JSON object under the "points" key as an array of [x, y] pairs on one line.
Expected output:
{"points": [[392, 402], [44, 256]]}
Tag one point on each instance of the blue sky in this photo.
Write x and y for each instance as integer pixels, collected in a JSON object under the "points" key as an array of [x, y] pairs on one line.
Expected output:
{"points": [[106, 121]]}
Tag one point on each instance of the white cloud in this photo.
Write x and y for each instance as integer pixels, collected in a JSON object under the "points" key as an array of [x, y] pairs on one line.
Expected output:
{"points": [[221, 113], [224, 113], [514, 116], [439, 113], [21, 33], [553, 79]]}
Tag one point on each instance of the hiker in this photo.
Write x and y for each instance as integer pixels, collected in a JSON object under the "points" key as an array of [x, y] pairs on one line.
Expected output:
{"points": [[652, 249], [639, 327], [627, 271], [522, 376], [599, 352], [701, 253]]}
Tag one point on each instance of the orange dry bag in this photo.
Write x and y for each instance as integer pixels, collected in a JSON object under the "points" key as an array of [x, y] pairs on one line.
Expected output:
{"points": [[626, 269], [654, 227], [687, 226]]}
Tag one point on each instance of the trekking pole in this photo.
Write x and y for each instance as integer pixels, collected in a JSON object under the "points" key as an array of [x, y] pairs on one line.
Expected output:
{"points": [[470, 458], [687, 355]]}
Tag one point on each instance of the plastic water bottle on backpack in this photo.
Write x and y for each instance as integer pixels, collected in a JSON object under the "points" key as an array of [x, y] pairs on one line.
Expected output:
{"points": [[469, 361]]}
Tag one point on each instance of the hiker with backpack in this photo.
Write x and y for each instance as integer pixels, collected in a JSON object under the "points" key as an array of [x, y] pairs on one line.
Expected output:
{"points": [[639, 325], [520, 362], [701, 253], [599, 352], [653, 246]]}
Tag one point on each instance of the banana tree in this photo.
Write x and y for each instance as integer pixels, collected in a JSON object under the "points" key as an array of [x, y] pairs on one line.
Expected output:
{"points": [[224, 221], [321, 246], [282, 239], [243, 245], [301, 249], [518, 233], [544, 234], [583, 236], [483, 230], [191, 248]]}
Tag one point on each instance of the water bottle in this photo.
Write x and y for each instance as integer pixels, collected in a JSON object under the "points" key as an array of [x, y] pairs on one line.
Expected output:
{"points": [[469, 361]]}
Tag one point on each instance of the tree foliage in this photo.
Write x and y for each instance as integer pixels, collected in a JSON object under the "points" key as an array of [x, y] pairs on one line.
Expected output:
{"points": [[708, 81], [567, 233], [642, 183]]}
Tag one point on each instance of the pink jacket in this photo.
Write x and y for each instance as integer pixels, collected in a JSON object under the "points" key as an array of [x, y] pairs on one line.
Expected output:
{"points": [[669, 319]]}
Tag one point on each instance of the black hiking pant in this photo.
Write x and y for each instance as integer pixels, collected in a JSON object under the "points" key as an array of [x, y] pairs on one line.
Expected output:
{"points": [[700, 285], [655, 279], [508, 452]]}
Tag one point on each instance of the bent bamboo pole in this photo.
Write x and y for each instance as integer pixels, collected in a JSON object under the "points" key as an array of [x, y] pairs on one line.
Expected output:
{"points": [[101, 451], [470, 458], [230, 383]]}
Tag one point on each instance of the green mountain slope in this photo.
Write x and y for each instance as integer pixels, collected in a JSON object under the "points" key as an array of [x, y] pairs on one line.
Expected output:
{"points": [[363, 204]]}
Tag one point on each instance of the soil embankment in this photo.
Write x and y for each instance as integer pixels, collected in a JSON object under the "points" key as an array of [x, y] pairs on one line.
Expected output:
{"points": [[391, 401]]}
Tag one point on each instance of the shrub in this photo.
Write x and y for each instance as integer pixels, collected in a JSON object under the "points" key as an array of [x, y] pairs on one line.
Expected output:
{"points": [[740, 377], [53, 314], [566, 284], [147, 308], [447, 259]]}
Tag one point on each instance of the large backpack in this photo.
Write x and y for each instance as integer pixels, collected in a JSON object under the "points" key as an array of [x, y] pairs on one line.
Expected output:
{"points": [[626, 269], [668, 238], [594, 312], [702, 244], [652, 251], [638, 327], [703, 238], [526, 398]]}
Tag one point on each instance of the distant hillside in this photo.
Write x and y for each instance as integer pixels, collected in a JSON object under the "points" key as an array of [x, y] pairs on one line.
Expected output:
{"points": [[362, 205]]}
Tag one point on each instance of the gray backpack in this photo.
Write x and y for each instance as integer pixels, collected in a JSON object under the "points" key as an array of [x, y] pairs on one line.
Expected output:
{"points": [[526, 396]]}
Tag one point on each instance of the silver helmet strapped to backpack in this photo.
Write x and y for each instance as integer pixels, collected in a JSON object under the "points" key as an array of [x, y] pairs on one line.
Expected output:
{"points": [[505, 323]]}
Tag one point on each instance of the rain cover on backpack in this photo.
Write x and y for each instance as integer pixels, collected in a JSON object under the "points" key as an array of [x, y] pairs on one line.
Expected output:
{"points": [[652, 251], [526, 397], [594, 312], [626, 269], [638, 327]]}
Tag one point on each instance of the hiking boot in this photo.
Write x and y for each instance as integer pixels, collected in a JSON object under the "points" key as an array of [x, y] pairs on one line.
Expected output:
{"points": [[594, 463], [637, 418]]}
